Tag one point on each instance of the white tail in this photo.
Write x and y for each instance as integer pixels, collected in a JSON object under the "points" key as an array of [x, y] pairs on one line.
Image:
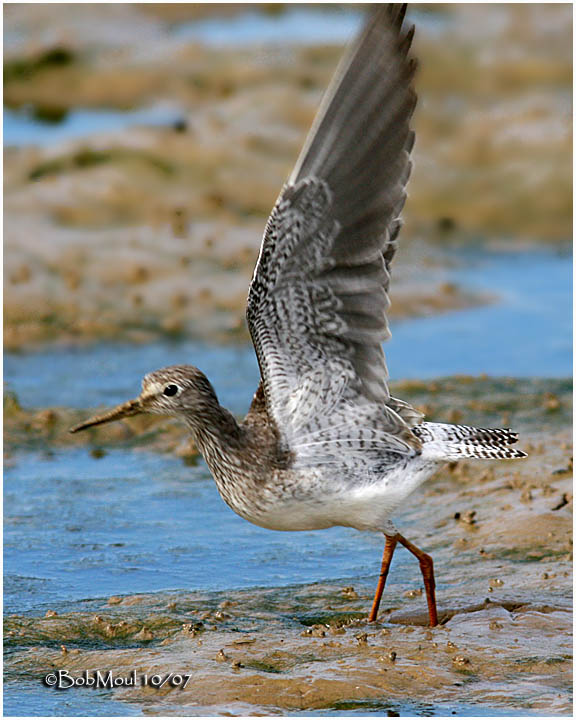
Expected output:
{"points": [[454, 442]]}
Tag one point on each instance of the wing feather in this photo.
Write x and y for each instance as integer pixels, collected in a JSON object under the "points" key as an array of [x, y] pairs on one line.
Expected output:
{"points": [[319, 296]]}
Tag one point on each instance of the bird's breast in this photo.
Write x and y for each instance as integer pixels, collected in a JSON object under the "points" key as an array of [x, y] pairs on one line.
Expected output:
{"points": [[316, 499]]}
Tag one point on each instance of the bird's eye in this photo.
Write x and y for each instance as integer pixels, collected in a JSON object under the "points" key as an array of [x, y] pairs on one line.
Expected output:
{"points": [[171, 390]]}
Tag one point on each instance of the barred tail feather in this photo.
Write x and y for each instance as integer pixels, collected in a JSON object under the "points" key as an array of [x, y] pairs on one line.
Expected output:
{"points": [[455, 442]]}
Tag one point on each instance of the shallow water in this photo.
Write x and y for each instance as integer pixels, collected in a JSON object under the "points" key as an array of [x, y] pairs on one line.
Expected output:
{"points": [[302, 26], [526, 332], [22, 128], [297, 25], [32, 698], [409, 709], [136, 522]]}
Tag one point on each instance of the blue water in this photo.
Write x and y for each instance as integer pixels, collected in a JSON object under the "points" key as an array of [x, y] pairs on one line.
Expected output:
{"points": [[22, 128], [410, 708], [136, 522], [297, 25], [31, 698], [527, 332], [133, 522], [90, 376]]}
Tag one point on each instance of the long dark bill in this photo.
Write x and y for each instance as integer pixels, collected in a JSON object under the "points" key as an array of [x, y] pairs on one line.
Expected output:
{"points": [[127, 409]]}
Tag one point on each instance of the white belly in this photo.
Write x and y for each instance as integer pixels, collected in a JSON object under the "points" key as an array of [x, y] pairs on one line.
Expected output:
{"points": [[350, 502]]}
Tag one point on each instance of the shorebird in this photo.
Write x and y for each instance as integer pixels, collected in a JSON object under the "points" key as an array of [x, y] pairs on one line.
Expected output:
{"points": [[324, 443]]}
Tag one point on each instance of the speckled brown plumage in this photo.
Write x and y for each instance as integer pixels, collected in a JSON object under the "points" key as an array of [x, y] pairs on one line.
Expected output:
{"points": [[324, 443]]}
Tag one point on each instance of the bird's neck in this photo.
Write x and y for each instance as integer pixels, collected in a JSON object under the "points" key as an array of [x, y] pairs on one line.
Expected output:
{"points": [[240, 456], [218, 436]]}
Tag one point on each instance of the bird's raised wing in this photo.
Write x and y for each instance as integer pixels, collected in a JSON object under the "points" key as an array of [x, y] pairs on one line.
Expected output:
{"points": [[318, 299]]}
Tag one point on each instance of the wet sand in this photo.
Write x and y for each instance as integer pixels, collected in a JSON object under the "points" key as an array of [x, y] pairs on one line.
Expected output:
{"points": [[147, 232], [146, 284], [520, 403]]}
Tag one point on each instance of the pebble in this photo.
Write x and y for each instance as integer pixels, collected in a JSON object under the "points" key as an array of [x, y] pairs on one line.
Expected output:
{"points": [[467, 518], [192, 629], [244, 641], [314, 631], [413, 593], [144, 635], [460, 660], [335, 630], [227, 604], [349, 593], [526, 496]]}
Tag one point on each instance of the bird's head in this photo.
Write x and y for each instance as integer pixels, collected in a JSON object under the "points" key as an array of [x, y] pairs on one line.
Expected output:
{"points": [[179, 390]]}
